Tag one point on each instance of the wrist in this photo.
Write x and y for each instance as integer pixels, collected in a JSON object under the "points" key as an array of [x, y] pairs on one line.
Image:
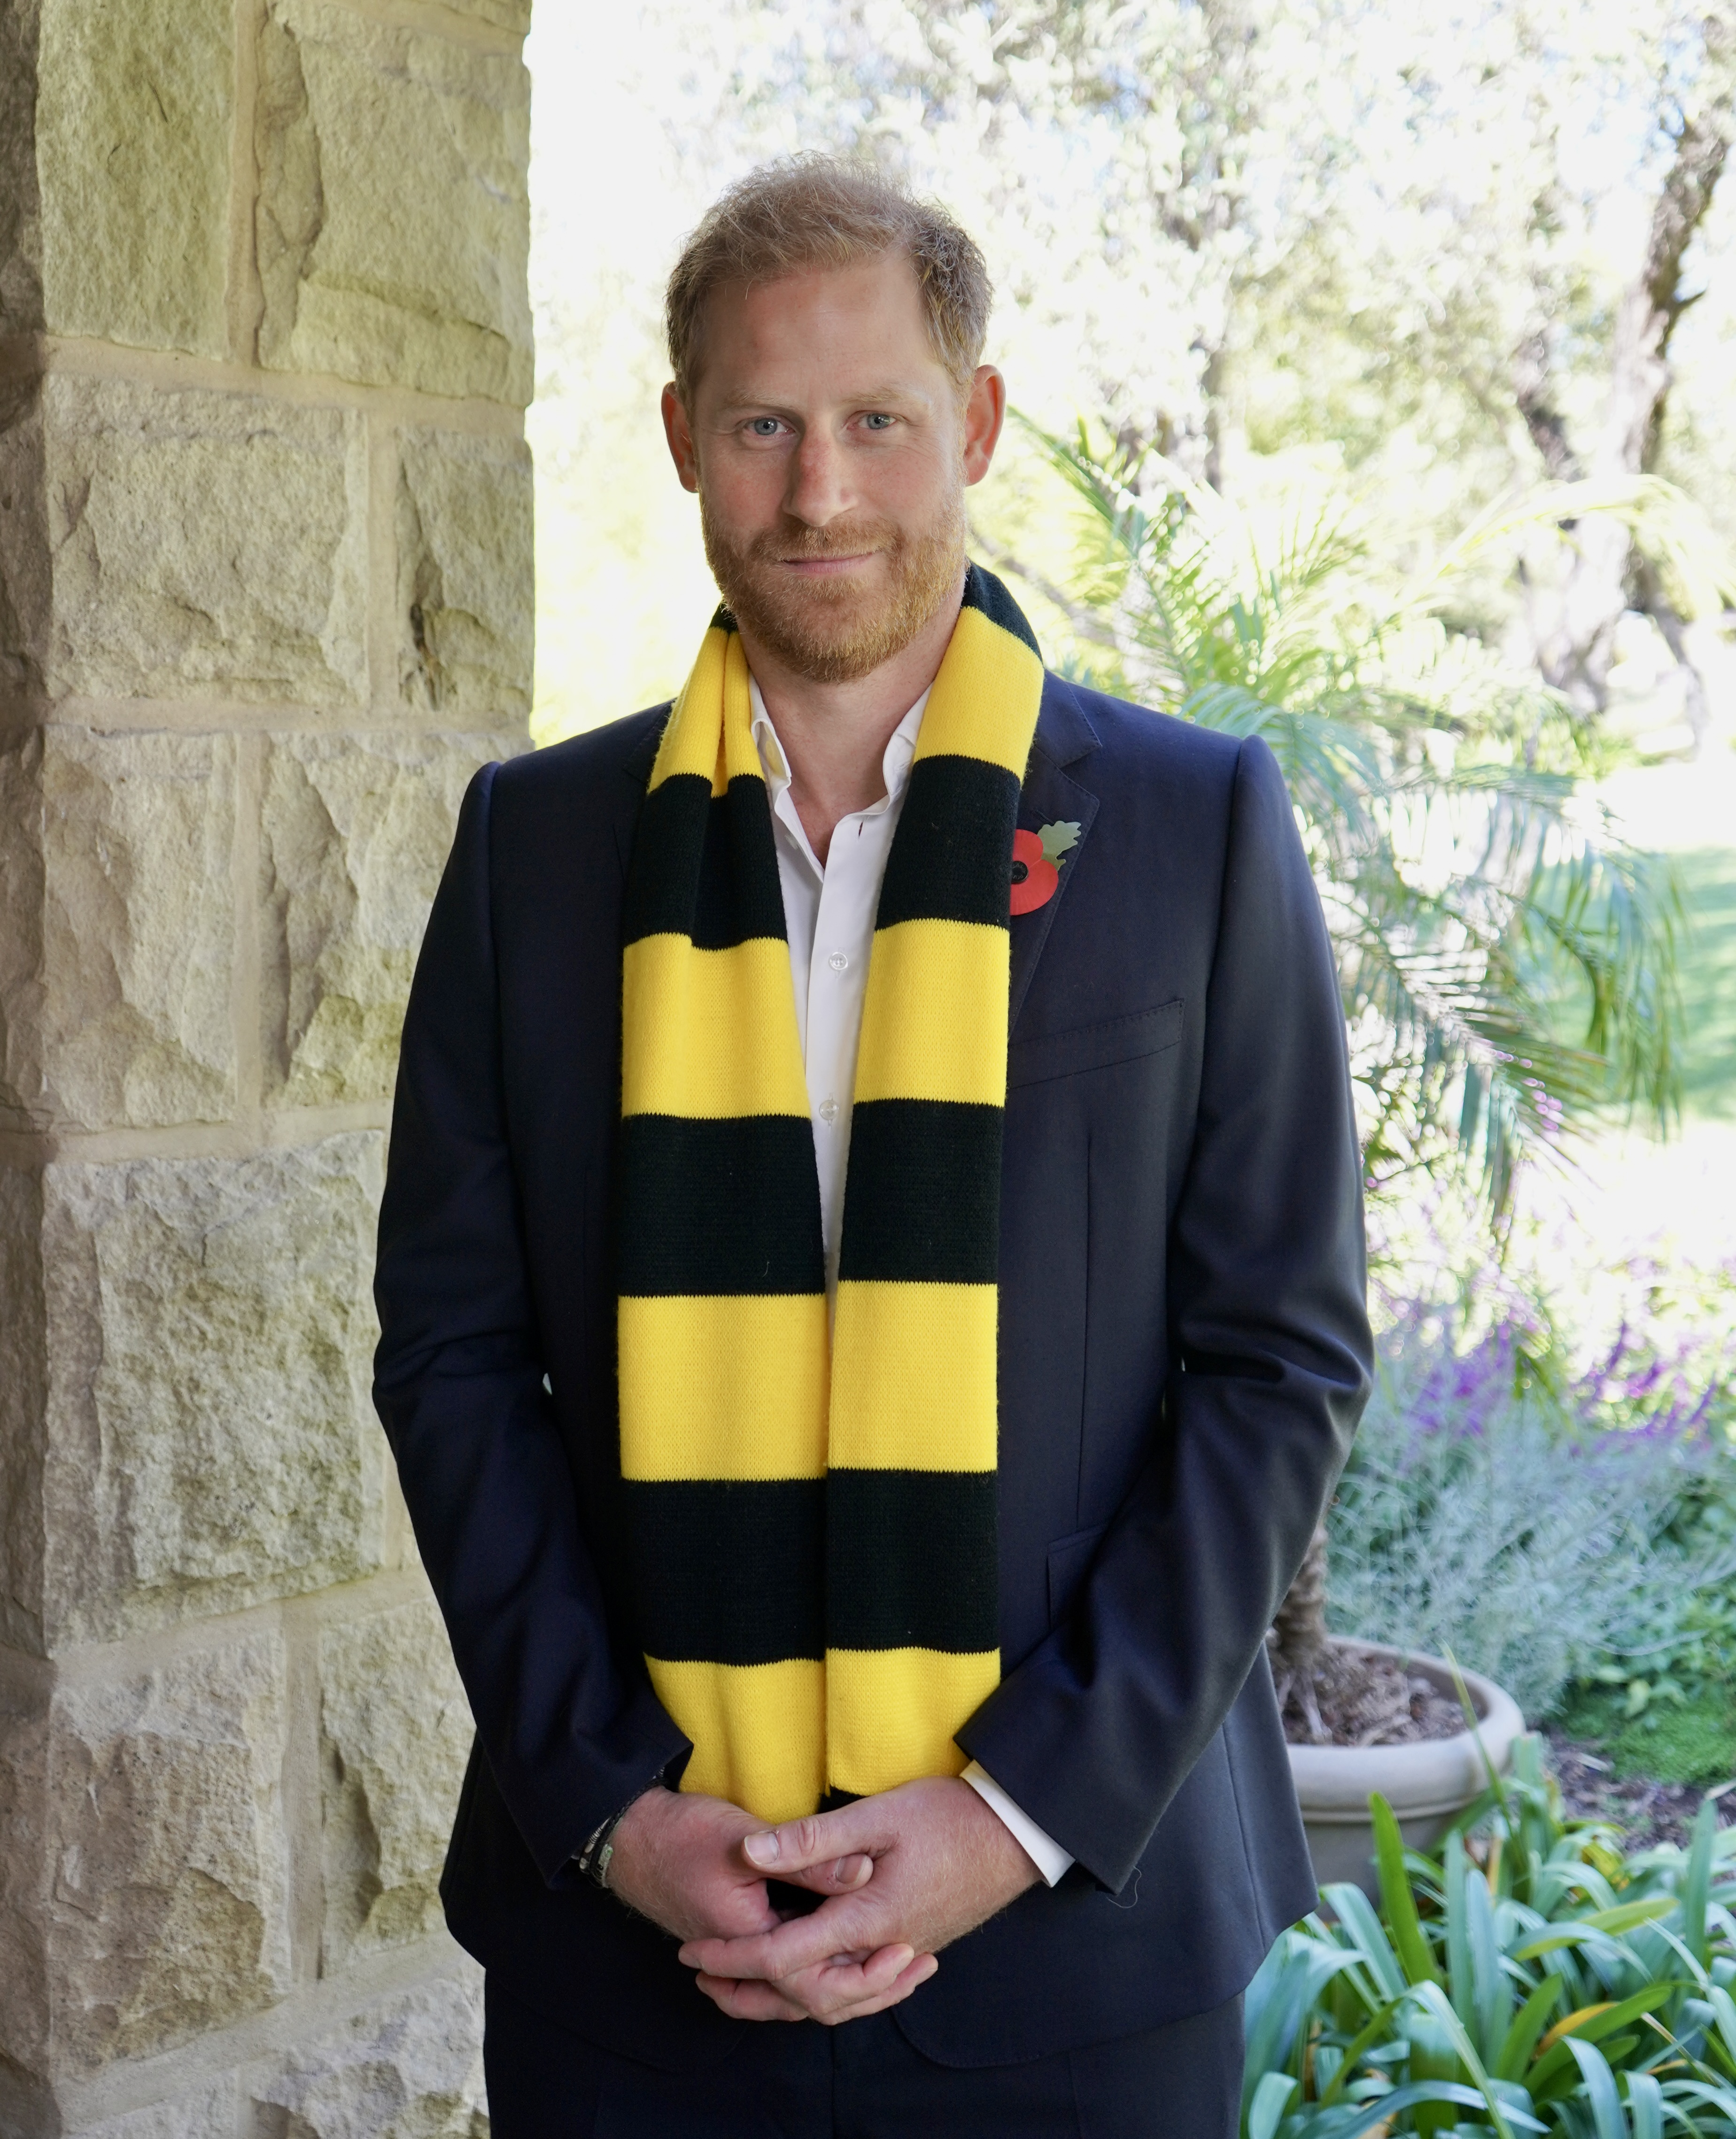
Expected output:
{"points": [[1052, 1861], [596, 1859]]}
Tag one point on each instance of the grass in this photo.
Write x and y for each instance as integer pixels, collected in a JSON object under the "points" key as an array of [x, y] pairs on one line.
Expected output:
{"points": [[1671, 1742]]}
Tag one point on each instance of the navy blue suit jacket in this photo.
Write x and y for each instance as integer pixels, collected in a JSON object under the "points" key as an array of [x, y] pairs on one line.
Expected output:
{"points": [[1184, 1353]]}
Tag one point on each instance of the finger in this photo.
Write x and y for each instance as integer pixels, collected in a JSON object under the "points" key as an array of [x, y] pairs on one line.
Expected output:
{"points": [[848, 1990], [838, 1875], [800, 1843], [840, 1983], [845, 1981], [839, 1925], [749, 2001], [912, 1978]]}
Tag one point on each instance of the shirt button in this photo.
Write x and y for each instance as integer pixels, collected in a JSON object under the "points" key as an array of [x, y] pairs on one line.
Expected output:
{"points": [[838, 961], [829, 1111]]}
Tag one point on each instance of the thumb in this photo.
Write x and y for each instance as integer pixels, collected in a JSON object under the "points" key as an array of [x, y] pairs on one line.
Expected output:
{"points": [[833, 1875], [801, 1844]]}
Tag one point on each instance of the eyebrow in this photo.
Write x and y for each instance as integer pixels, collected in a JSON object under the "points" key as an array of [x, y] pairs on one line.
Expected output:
{"points": [[886, 391]]}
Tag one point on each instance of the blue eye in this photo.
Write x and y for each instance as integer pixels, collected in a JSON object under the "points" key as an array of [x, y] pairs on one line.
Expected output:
{"points": [[763, 427], [877, 418]]}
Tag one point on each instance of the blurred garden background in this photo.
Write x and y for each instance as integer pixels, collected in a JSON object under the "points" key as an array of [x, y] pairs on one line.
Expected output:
{"points": [[1375, 373]]}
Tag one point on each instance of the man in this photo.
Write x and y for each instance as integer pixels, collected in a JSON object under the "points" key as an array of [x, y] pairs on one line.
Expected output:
{"points": [[871, 1291]]}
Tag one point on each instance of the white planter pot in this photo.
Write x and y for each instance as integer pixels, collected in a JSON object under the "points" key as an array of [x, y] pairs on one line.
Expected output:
{"points": [[1426, 1783]]}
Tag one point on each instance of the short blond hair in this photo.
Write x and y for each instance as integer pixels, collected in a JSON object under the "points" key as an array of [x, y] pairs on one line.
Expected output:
{"points": [[821, 211]]}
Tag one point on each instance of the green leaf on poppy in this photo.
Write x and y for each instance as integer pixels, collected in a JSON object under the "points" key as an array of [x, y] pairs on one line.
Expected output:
{"points": [[1056, 840]]}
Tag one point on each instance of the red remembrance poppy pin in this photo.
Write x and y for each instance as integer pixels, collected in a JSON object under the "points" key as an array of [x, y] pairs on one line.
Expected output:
{"points": [[1037, 860]]}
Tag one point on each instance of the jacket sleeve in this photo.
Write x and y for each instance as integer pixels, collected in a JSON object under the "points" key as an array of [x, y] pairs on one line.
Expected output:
{"points": [[570, 1728], [1270, 1353]]}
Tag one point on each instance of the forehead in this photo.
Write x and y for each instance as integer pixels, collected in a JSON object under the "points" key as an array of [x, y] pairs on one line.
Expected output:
{"points": [[821, 331]]}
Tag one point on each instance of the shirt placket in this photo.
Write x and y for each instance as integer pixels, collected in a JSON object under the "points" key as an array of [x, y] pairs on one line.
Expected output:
{"points": [[837, 982]]}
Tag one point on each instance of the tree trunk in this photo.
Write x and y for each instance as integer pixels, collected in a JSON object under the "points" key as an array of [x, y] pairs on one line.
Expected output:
{"points": [[1575, 634], [1299, 1633], [1298, 1640]]}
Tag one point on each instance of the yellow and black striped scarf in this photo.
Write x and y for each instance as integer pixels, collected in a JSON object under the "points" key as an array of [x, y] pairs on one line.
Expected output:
{"points": [[811, 1522]]}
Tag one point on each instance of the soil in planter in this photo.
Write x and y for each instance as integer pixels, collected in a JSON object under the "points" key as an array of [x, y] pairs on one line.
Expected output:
{"points": [[1355, 1696]]}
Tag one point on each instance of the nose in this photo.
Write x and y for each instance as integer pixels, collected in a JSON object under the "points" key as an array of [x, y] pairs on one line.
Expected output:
{"points": [[818, 489]]}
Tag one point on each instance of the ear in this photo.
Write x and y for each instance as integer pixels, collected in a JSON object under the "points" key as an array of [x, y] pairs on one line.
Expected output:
{"points": [[985, 413], [679, 432]]}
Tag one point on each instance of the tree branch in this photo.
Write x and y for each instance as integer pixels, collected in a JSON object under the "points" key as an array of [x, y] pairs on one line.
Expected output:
{"points": [[1576, 643], [1548, 429], [1640, 366]]}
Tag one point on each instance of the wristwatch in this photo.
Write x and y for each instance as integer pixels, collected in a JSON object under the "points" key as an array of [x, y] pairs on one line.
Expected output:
{"points": [[593, 1860]]}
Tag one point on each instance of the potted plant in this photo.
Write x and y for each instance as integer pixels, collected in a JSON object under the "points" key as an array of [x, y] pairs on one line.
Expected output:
{"points": [[1488, 1989], [1362, 1718]]}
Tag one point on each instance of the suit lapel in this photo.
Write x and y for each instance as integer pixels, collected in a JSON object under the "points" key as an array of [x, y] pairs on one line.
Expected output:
{"points": [[636, 771], [1049, 797]]}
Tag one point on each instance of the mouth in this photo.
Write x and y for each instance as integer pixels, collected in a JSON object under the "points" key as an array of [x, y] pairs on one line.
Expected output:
{"points": [[821, 568]]}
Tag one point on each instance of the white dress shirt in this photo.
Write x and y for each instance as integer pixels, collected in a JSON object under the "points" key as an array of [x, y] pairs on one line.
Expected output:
{"points": [[828, 915]]}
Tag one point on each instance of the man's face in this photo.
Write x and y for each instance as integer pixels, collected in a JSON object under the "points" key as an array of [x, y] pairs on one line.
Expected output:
{"points": [[830, 449]]}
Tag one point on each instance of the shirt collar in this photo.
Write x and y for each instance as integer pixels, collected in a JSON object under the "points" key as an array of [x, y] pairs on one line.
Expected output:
{"points": [[894, 766]]}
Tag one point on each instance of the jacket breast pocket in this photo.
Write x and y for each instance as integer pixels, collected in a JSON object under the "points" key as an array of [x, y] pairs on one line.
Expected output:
{"points": [[1047, 1055]]}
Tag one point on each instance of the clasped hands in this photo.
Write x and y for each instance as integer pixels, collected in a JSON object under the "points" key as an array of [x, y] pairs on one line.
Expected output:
{"points": [[901, 1874]]}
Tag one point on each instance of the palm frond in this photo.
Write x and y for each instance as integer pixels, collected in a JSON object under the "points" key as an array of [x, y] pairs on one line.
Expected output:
{"points": [[1507, 966]]}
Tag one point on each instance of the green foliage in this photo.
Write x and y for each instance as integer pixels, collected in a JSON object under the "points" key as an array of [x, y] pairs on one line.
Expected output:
{"points": [[1507, 965], [1708, 880], [1326, 225], [1544, 1525], [1658, 1727], [1531, 1979]]}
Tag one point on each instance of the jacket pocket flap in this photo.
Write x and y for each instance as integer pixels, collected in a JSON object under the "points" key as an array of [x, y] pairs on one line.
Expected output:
{"points": [[1093, 1046]]}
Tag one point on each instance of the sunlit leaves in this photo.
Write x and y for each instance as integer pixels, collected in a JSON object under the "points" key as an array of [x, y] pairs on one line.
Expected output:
{"points": [[1507, 965]]}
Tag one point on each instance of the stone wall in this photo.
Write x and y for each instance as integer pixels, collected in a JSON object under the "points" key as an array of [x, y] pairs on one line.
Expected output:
{"points": [[265, 604]]}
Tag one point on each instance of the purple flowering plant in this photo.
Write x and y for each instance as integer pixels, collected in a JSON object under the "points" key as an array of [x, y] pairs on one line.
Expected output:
{"points": [[1550, 1514]]}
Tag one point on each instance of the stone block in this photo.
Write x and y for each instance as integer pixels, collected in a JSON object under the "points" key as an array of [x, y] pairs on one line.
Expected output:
{"points": [[209, 1333], [24, 1873], [394, 1736], [204, 546], [23, 1389], [503, 14], [353, 832], [133, 1021], [27, 566], [21, 966], [466, 575], [133, 124], [167, 1905], [393, 224], [20, 216], [206, 2113], [27, 2109], [408, 2067]]}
